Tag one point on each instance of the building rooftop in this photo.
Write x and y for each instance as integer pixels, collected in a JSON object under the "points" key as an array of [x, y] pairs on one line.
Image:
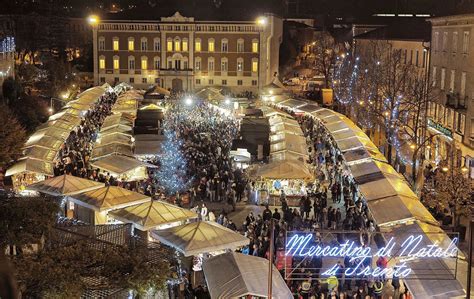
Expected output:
{"points": [[404, 29]]}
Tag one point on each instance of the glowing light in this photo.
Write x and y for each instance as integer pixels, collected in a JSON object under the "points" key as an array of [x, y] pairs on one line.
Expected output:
{"points": [[93, 19], [464, 169], [64, 96], [411, 247], [188, 101], [227, 101], [262, 21], [412, 146], [445, 169]]}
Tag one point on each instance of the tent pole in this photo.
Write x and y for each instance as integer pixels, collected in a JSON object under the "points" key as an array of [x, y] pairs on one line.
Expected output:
{"points": [[270, 259]]}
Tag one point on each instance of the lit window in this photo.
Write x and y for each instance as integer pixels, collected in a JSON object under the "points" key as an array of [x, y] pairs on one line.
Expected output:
{"points": [[131, 44], [254, 66], [144, 63], [116, 44], [102, 63], [185, 45], [255, 46], [211, 45], [177, 45], [116, 63], [197, 46], [169, 45]]}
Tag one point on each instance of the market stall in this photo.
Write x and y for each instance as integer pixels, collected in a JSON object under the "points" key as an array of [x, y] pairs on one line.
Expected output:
{"points": [[155, 214], [93, 206], [27, 171], [200, 237], [123, 167], [244, 276], [65, 185], [111, 150]]}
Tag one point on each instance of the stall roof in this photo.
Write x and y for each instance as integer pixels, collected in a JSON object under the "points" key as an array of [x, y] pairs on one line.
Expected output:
{"points": [[119, 164], [119, 119], [309, 108], [283, 128], [151, 214], [211, 93], [436, 278], [40, 153], [124, 130], [30, 166], [244, 275], [360, 155], [286, 155], [287, 169], [115, 138], [292, 103], [355, 142], [200, 237], [125, 105], [386, 187], [90, 96], [109, 198], [112, 149], [371, 170], [277, 119], [46, 142], [292, 143], [398, 209], [147, 147], [57, 133], [65, 185]]}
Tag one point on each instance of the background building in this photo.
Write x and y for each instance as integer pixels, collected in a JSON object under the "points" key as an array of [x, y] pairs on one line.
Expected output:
{"points": [[181, 53], [452, 73]]}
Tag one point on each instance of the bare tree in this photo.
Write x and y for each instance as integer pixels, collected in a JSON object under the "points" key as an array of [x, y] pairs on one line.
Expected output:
{"points": [[326, 50]]}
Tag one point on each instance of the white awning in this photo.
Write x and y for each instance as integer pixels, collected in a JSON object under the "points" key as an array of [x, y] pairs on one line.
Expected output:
{"points": [[236, 275]]}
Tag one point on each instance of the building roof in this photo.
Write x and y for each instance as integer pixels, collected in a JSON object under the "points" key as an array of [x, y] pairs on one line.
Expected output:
{"points": [[201, 10], [406, 30], [65, 185]]}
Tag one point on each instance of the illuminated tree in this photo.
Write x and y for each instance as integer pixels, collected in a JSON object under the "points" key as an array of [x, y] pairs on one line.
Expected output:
{"points": [[326, 50], [172, 172]]}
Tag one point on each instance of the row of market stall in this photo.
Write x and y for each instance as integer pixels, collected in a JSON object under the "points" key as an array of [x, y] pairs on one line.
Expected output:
{"points": [[41, 148], [395, 208]]}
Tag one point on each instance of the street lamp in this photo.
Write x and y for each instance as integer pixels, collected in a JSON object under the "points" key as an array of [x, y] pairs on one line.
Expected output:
{"points": [[445, 169], [188, 101], [227, 101], [93, 19], [262, 21]]}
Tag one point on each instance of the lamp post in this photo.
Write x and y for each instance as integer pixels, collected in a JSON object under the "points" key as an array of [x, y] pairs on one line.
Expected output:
{"points": [[94, 20], [261, 22]]}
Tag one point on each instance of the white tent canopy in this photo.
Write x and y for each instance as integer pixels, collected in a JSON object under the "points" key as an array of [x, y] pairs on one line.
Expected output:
{"points": [[29, 165], [65, 185], [287, 169], [119, 165], [152, 214], [236, 275], [200, 237]]}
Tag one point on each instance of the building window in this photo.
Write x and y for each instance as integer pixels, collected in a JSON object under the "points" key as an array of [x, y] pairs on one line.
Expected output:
{"points": [[239, 82], [177, 45], [416, 58], [240, 45], [465, 42], [157, 80], [224, 45], [224, 82], [211, 81], [254, 82], [443, 77], [240, 65], [156, 44], [101, 43], [116, 44], [462, 90], [224, 65], [144, 63], [144, 80], [144, 44], [210, 45], [255, 46], [405, 56], [411, 56], [434, 76], [131, 80], [131, 44], [197, 45], [185, 64], [177, 64], [254, 66], [131, 63], [424, 58], [116, 79], [169, 45], [116, 63], [436, 41], [198, 81], [451, 80], [210, 64], [185, 45], [455, 42], [170, 64], [445, 41], [197, 64], [102, 80], [102, 63], [156, 62]]}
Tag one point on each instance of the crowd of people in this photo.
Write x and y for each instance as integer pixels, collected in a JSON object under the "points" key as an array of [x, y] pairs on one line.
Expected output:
{"points": [[74, 154]]}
